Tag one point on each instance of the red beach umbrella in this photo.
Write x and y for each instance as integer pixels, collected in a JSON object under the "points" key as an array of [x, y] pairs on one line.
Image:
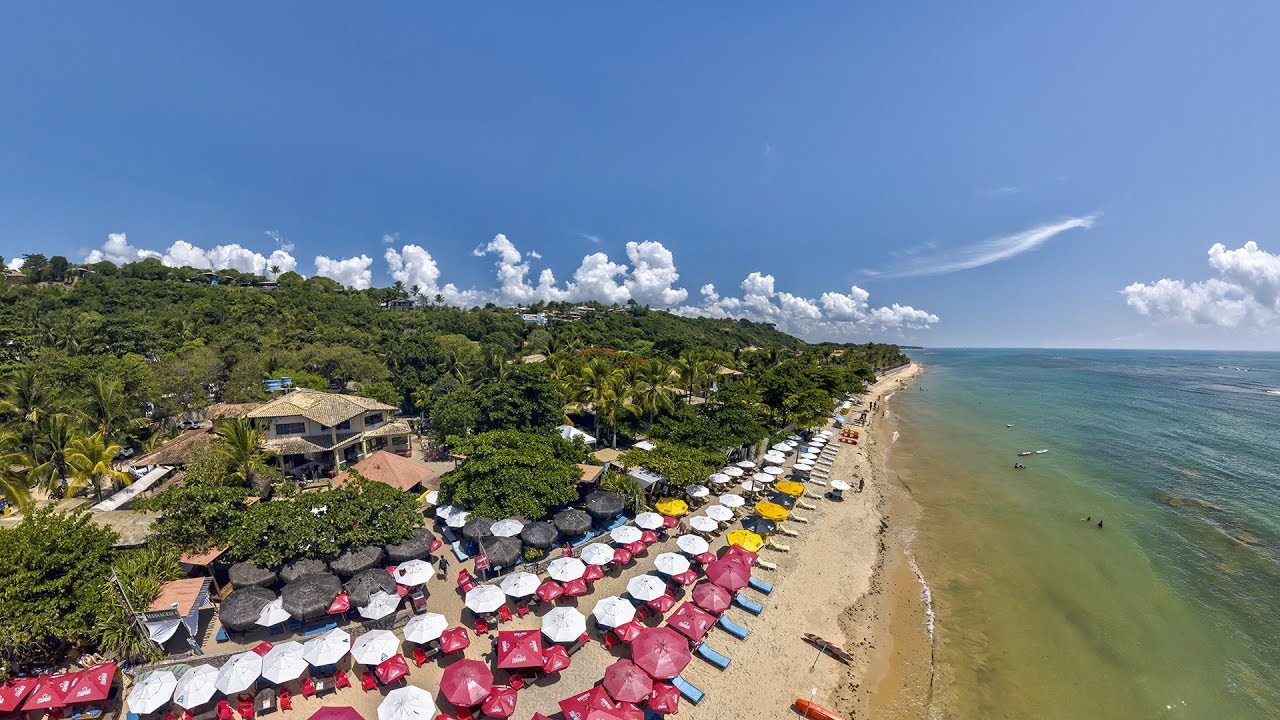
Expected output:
{"points": [[466, 683], [728, 574], [336, 712], [664, 699], [48, 693], [262, 648], [14, 690], [599, 698], [686, 578], [593, 573], [549, 590], [92, 684], [519, 649], [669, 522], [712, 598], [661, 652], [648, 537], [637, 547], [691, 621], [741, 553], [627, 683], [576, 588], [454, 639], [436, 545], [626, 712], [340, 604], [662, 603], [628, 631], [706, 558], [391, 669], [500, 702], [621, 556], [575, 708], [555, 659]]}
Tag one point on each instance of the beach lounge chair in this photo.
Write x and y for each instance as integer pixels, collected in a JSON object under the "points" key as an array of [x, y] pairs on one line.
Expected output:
{"points": [[748, 604], [711, 656], [760, 586], [482, 627], [800, 519], [805, 505], [504, 614], [419, 657], [522, 608], [818, 482], [766, 565], [787, 531], [733, 628], [687, 690], [778, 546]]}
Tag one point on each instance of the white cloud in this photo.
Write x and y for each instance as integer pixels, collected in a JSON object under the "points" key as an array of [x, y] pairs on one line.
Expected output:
{"points": [[652, 275], [985, 253], [118, 250], [184, 254], [597, 279], [352, 272], [1247, 290], [15, 263], [513, 288], [413, 265]]}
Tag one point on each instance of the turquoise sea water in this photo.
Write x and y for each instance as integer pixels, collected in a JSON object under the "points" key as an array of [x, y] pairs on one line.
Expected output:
{"points": [[1173, 608]]}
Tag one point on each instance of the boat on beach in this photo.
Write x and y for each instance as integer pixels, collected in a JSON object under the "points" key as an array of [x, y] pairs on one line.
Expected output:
{"points": [[1024, 453], [1041, 452]]}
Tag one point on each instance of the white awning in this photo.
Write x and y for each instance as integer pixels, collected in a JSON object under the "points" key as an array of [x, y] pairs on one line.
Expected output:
{"points": [[569, 432], [121, 500]]}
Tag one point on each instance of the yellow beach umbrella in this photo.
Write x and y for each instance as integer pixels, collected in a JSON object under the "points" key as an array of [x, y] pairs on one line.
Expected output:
{"points": [[771, 511], [746, 540], [791, 488], [672, 507]]}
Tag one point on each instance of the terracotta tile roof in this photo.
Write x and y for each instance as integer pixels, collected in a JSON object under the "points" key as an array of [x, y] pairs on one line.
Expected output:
{"points": [[292, 446], [176, 451], [328, 409], [395, 427], [589, 472], [219, 411], [201, 559], [184, 593], [390, 469]]}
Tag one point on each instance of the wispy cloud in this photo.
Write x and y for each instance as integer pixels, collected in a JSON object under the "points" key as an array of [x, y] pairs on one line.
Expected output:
{"points": [[1003, 190], [596, 239], [986, 252]]}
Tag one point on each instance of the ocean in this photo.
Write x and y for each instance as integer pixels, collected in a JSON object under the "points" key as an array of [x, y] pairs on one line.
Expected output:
{"points": [[1172, 608]]}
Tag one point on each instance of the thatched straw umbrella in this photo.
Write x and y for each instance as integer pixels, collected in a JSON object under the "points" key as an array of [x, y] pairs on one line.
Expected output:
{"points": [[478, 529], [354, 560], [246, 574], [241, 609], [539, 534], [296, 569], [416, 547], [603, 504], [572, 522], [503, 552], [310, 595], [366, 583]]}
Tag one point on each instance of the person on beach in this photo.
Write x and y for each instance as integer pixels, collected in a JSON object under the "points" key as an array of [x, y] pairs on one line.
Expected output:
{"points": [[861, 483], [444, 566], [1099, 524]]}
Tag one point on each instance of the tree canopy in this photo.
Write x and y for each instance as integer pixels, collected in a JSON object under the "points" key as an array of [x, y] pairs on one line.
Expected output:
{"points": [[511, 473]]}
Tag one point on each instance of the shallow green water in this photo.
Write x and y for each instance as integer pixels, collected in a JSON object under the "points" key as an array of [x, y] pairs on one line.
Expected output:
{"points": [[1173, 608]]}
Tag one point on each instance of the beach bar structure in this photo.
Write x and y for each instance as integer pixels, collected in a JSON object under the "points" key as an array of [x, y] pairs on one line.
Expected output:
{"points": [[313, 429]]}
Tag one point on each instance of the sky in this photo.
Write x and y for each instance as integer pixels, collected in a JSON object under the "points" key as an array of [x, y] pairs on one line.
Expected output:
{"points": [[1070, 174]]}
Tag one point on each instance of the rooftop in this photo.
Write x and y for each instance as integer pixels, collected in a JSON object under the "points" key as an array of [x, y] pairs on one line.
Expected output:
{"points": [[328, 409], [390, 469]]}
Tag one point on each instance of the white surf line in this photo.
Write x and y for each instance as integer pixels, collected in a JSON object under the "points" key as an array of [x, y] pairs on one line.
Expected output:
{"points": [[927, 596]]}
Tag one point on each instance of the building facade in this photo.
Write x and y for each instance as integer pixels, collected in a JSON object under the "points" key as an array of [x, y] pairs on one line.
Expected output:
{"points": [[315, 432]]}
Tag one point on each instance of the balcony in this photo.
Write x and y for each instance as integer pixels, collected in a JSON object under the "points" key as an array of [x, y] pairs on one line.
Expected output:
{"points": [[327, 441]]}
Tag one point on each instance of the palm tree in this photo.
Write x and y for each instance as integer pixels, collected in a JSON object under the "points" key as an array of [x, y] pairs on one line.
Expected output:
{"points": [[107, 410], [49, 462], [275, 272], [90, 461], [652, 389], [415, 291], [615, 398], [239, 446], [399, 288], [13, 487], [693, 372], [28, 397], [593, 387]]}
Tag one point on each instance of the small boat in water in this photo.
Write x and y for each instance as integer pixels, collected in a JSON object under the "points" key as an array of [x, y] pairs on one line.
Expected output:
{"points": [[1009, 425], [1041, 452], [1024, 453]]}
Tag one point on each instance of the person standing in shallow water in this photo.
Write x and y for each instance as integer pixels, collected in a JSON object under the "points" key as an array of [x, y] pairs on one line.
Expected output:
{"points": [[1099, 524]]}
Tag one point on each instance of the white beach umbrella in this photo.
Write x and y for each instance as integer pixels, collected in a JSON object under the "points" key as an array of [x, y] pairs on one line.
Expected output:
{"points": [[802, 467], [762, 477], [793, 444], [196, 686], [745, 464], [840, 485], [825, 433], [444, 511], [284, 662], [380, 605], [649, 520], [773, 470], [564, 624], [273, 613], [564, 569], [782, 447], [152, 692], [719, 478], [646, 587], [485, 598], [669, 563], [510, 527], [596, 554], [457, 518], [809, 456], [732, 501], [407, 703], [519, 584], [613, 611], [719, 513], [239, 673], [433, 497], [702, 523], [414, 572], [425, 627], [328, 648], [625, 534], [733, 471], [375, 646], [753, 486], [793, 437], [774, 458], [697, 491], [692, 544]]}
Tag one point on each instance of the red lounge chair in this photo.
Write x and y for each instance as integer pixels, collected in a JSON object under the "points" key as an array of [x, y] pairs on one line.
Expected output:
{"points": [[368, 681], [517, 682], [611, 640], [482, 627], [340, 680], [504, 614], [522, 608], [285, 700], [465, 582], [463, 713], [308, 687], [419, 657], [705, 558]]}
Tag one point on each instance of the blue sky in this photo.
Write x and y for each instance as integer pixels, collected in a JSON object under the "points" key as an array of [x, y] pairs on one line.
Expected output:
{"points": [[985, 174]]}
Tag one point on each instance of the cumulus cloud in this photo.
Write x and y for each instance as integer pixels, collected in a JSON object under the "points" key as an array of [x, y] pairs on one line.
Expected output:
{"points": [[1245, 291], [118, 250], [15, 263], [985, 253], [413, 265], [184, 254], [652, 275], [513, 271], [352, 272]]}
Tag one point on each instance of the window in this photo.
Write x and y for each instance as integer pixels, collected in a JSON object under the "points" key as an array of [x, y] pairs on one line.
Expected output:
{"points": [[371, 420], [291, 428], [344, 425]]}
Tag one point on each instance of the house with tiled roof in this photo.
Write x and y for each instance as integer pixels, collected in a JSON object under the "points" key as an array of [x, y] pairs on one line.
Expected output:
{"points": [[319, 431]]}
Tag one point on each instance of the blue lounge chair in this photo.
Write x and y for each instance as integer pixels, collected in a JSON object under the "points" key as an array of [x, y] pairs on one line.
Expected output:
{"points": [[617, 522], [222, 635], [748, 604], [687, 690], [713, 657], [458, 552], [760, 586], [732, 627], [319, 628]]}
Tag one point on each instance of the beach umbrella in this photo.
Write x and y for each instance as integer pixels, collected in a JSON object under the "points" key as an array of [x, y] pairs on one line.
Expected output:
{"points": [[564, 569], [501, 700], [284, 662], [697, 491], [504, 552], [328, 648], [809, 457], [592, 573], [664, 699], [621, 556], [661, 652], [626, 682], [746, 539], [782, 447], [14, 690], [646, 587], [773, 470], [572, 522], [564, 624], [596, 554], [732, 501], [549, 590], [637, 547], [763, 477], [625, 534], [783, 499], [794, 437], [391, 669], [671, 507], [466, 682], [273, 613], [793, 444], [691, 621], [791, 488], [771, 510], [246, 575], [416, 547], [712, 598], [734, 471], [485, 599], [555, 659], [196, 686], [365, 583], [520, 584], [803, 467], [740, 554], [719, 513], [729, 574], [375, 646], [539, 534], [414, 572], [306, 566], [354, 560], [670, 563], [454, 640], [49, 692], [518, 649], [239, 673], [613, 611], [478, 529], [151, 692], [840, 485], [380, 605], [775, 458], [692, 544], [745, 464], [753, 486], [458, 518], [759, 525], [443, 511], [649, 520], [407, 703], [603, 504], [510, 527], [702, 523], [425, 627], [340, 604], [310, 595], [719, 478], [576, 588]]}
